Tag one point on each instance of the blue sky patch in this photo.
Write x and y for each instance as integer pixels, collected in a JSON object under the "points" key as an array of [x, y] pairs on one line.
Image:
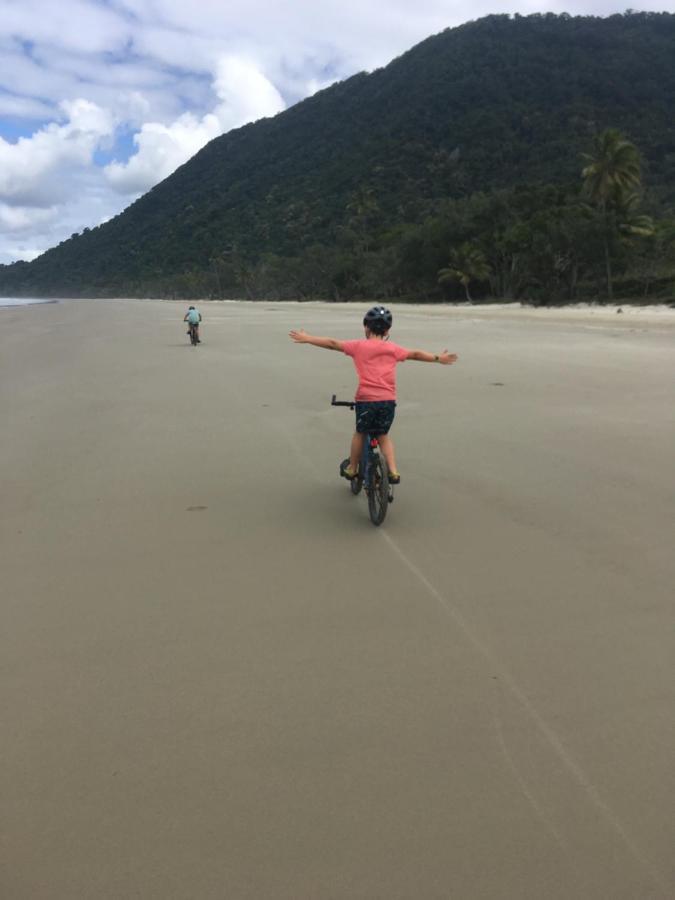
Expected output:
{"points": [[122, 149], [12, 128]]}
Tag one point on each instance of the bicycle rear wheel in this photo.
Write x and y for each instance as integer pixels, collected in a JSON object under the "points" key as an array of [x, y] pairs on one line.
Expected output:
{"points": [[378, 489]]}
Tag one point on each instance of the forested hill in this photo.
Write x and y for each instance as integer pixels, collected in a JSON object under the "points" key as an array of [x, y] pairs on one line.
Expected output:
{"points": [[365, 188]]}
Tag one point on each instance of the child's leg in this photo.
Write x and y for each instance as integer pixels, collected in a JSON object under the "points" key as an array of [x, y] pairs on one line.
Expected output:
{"points": [[387, 447], [355, 451]]}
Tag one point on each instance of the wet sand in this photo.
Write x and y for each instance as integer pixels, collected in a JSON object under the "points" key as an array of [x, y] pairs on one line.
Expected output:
{"points": [[220, 680]]}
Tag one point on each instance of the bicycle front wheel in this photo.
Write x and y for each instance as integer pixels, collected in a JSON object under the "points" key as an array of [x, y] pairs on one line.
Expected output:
{"points": [[378, 489]]}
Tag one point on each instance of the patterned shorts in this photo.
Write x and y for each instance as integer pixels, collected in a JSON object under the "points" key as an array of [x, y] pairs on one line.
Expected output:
{"points": [[374, 416]]}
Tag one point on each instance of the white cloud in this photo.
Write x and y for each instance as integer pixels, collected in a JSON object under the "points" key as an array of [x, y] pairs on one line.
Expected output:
{"points": [[21, 219], [30, 168], [245, 95], [19, 107], [161, 149], [75, 25], [20, 251]]}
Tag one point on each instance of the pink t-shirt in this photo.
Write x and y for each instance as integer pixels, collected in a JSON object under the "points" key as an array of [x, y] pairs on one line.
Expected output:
{"points": [[375, 363]]}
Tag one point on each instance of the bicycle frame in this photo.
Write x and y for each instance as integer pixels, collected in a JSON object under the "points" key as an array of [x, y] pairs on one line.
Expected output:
{"points": [[370, 444], [373, 473]]}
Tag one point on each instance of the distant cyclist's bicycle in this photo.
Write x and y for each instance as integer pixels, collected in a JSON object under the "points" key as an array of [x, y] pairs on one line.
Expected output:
{"points": [[373, 474], [194, 333]]}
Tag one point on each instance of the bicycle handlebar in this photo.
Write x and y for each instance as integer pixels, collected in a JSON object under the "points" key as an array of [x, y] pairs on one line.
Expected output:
{"points": [[349, 403]]}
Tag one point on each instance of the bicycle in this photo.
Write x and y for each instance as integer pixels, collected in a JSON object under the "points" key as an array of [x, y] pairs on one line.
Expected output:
{"points": [[373, 474], [194, 333]]}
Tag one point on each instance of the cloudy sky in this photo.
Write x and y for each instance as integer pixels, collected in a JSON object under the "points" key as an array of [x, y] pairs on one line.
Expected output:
{"points": [[101, 99]]}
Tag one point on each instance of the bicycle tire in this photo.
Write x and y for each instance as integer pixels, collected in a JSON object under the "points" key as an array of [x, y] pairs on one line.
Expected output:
{"points": [[378, 489]]}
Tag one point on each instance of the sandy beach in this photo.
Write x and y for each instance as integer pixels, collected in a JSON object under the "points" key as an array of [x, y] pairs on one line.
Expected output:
{"points": [[219, 680]]}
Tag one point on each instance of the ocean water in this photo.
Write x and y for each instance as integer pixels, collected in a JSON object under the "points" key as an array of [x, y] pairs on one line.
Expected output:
{"points": [[23, 301]]}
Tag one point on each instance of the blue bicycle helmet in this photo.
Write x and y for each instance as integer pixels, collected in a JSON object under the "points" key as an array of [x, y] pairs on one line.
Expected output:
{"points": [[378, 319]]}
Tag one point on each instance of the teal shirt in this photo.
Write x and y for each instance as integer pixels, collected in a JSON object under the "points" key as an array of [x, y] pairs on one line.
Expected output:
{"points": [[193, 317]]}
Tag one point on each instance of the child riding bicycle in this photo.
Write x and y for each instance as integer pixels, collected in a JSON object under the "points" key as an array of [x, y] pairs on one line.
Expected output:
{"points": [[193, 317], [375, 359]]}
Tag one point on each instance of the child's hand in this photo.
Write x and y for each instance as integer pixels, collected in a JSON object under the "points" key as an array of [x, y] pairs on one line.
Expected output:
{"points": [[300, 336], [447, 359]]}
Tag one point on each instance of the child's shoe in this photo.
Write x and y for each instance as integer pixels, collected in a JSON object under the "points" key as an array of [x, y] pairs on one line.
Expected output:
{"points": [[394, 478], [345, 471]]}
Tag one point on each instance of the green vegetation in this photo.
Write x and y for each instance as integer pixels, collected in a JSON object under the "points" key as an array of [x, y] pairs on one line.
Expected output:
{"points": [[467, 264], [526, 158], [612, 182]]}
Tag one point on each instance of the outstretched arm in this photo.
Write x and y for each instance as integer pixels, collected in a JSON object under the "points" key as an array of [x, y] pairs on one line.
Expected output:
{"points": [[444, 358], [301, 337]]}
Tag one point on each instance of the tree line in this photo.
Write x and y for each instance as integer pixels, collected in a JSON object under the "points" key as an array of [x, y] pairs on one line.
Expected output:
{"points": [[546, 244]]}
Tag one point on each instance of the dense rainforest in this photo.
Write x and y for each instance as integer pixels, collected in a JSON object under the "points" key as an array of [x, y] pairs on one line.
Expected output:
{"points": [[527, 158]]}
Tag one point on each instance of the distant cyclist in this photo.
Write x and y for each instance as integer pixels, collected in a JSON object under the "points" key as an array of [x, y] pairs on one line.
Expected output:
{"points": [[193, 317], [375, 359]]}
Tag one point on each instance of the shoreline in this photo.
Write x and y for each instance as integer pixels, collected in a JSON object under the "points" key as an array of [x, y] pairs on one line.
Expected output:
{"points": [[664, 311], [11, 302], [623, 317]]}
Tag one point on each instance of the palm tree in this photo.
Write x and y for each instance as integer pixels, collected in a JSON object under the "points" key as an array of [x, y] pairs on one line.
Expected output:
{"points": [[631, 222], [467, 264], [612, 173]]}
